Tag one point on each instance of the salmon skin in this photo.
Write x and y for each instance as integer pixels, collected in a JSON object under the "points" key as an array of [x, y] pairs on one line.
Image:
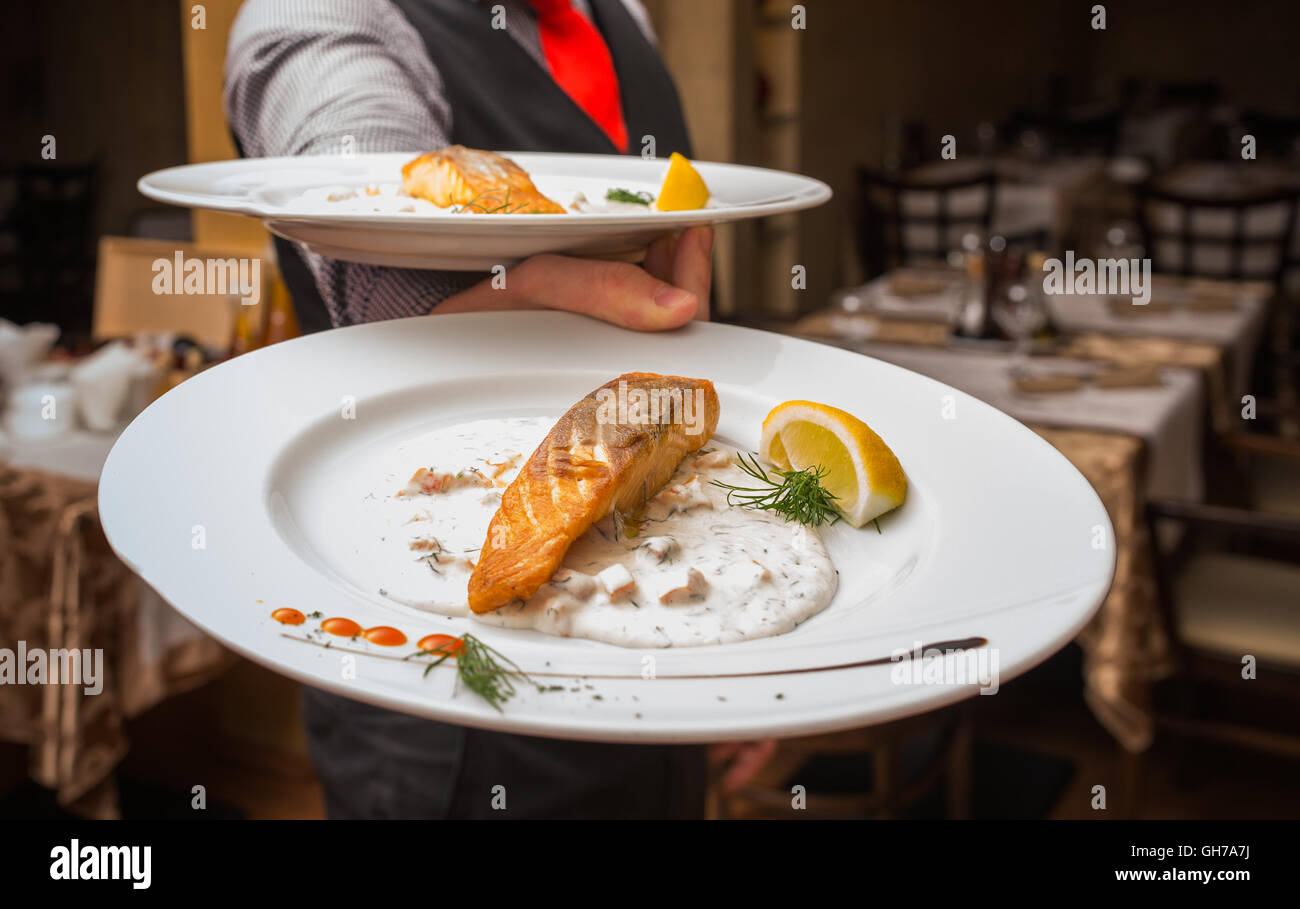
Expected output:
{"points": [[480, 182], [606, 454]]}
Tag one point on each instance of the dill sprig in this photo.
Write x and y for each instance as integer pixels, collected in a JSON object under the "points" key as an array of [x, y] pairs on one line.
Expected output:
{"points": [[796, 495], [502, 209], [480, 668], [626, 195]]}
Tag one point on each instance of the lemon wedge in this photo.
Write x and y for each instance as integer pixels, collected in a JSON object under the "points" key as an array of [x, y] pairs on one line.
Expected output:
{"points": [[861, 472], [683, 187]]}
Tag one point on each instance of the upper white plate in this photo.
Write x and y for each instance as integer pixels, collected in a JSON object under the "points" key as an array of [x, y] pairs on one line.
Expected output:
{"points": [[229, 493], [270, 189]]}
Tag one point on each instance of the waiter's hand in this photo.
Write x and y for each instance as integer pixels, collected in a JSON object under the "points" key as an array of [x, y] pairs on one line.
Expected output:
{"points": [[671, 289]]}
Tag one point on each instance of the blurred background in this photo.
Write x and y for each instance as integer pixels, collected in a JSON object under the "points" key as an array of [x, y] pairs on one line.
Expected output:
{"points": [[968, 145]]}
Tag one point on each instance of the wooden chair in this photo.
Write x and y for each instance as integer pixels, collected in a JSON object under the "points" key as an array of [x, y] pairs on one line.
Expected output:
{"points": [[1221, 603], [907, 759], [125, 302], [1241, 237], [1267, 467], [901, 221]]}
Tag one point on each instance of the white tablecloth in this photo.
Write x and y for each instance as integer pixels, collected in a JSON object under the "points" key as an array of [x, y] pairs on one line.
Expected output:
{"points": [[1238, 331], [81, 454], [1167, 417]]}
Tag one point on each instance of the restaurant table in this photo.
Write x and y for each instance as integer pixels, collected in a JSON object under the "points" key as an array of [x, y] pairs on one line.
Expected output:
{"points": [[61, 586], [1237, 329], [1129, 443], [1216, 327], [1166, 417]]}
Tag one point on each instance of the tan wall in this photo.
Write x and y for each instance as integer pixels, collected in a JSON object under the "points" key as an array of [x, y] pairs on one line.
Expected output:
{"points": [[1247, 45], [708, 50], [205, 119], [868, 65]]}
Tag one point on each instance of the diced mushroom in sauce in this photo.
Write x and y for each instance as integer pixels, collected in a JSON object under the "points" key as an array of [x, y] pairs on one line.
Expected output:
{"points": [[679, 498], [427, 481], [716, 458], [659, 549], [685, 585], [616, 580], [574, 583]]}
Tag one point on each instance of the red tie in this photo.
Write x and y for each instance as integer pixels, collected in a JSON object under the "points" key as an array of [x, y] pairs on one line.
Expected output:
{"points": [[581, 65]]}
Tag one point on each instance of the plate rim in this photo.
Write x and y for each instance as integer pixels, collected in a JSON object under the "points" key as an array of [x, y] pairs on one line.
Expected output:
{"points": [[458, 711], [813, 193]]}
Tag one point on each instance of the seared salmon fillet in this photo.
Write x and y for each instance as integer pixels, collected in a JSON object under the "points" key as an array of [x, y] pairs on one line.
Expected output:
{"points": [[605, 454], [481, 182]]}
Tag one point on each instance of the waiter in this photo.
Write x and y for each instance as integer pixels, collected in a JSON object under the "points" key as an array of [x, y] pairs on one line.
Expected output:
{"points": [[581, 76]]}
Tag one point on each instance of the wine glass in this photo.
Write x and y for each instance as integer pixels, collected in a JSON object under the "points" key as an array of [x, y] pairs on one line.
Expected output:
{"points": [[1020, 312]]}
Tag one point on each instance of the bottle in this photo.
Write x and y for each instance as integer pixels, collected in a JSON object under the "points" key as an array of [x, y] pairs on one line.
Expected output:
{"points": [[972, 313], [281, 323], [1034, 263]]}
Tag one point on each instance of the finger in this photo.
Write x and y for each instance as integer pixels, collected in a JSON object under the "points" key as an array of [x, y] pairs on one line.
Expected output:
{"points": [[693, 265], [751, 758], [659, 257], [617, 292]]}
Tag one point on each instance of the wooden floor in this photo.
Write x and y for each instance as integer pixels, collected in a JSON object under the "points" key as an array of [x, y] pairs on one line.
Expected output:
{"points": [[1178, 778]]}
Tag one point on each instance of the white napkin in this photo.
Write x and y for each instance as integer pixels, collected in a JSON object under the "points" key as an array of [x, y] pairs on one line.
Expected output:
{"points": [[20, 347], [41, 410], [103, 382]]}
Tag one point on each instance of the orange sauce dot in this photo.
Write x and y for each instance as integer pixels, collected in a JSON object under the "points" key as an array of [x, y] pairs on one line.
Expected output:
{"points": [[440, 643], [286, 615], [385, 636], [344, 628]]}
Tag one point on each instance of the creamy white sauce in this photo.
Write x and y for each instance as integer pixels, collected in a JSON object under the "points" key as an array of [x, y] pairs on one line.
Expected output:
{"points": [[692, 570], [581, 203], [377, 198]]}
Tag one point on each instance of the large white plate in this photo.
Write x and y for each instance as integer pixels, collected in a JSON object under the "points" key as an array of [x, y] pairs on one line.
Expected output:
{"points": [[1000, 538], [268, 188]]}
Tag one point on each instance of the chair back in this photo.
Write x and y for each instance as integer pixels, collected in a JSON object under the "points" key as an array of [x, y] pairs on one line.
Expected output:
{"points": [[902, 220], [1245, 237]]}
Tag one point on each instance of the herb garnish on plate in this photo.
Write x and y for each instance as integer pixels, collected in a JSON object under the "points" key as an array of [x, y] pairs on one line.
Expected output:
{"points": [[482, 669], [626, 195], [796, 495]]}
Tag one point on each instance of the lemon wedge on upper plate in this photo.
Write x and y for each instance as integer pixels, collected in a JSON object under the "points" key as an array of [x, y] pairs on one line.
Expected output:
{"points": [[861, 472], [683, 188]]}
